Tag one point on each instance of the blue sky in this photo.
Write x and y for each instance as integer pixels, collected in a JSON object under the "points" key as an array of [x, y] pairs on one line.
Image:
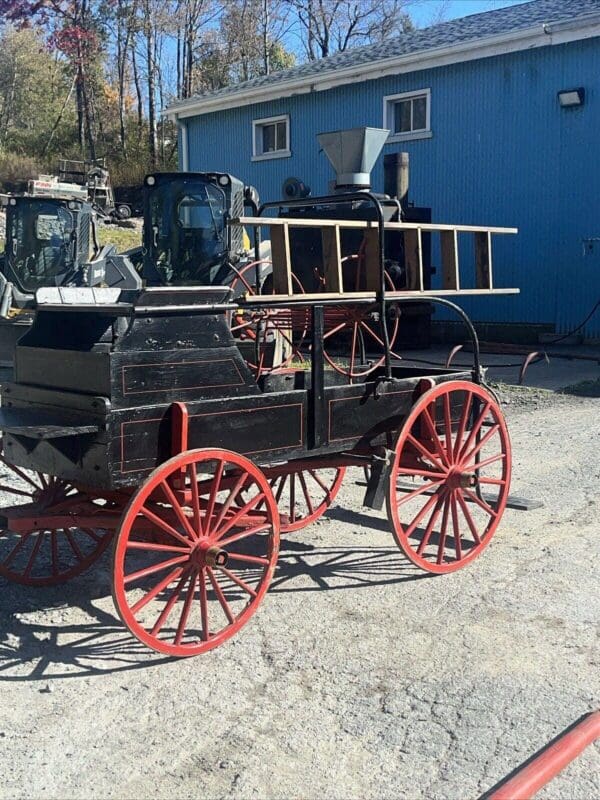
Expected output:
{"points": [[424, 12]]}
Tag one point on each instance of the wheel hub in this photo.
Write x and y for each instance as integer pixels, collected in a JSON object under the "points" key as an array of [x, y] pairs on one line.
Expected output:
{"points": [[459, 479], [207, 555]]}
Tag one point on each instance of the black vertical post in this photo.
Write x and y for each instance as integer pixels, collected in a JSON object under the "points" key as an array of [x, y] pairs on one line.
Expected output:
{"points": [[317, 421]]}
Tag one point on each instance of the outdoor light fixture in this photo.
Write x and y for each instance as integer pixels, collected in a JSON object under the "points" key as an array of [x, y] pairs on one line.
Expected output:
{"points": [[571, 97]]}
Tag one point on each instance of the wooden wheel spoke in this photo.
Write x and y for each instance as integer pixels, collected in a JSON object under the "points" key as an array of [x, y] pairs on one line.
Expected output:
{"points": [[293, 496], [475, 430], [232, 495], [244, 534], [248, 559], [220, 596], [420, 514], [448, 427], [432, 520], [164, 526], [462, 425], [456, 527], [304, 488], [492, 481], [174, 503], [193, 476], [156, 590], [481, 443], [468, 518], [434, 436], [23, 475], [335, 330], [485, 463], [33, 555], [214, 491], [203, 606], [134, 544], [353, 348], [171, 600], [11, 556], [187, 606], [372, 333], [421, 473], [233, 577], [11, 490], [480, 502], [421, 490], [73, 544], [142, 573], [425, 452], [239, 514], [54, 551], [443, 529], [316, 478]]}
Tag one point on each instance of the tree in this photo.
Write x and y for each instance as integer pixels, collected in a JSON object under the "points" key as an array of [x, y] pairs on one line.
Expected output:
{"points": [[330, 26]]}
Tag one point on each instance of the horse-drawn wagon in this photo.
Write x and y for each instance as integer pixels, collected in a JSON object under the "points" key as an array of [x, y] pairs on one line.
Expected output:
{"points": [[190, 426]]}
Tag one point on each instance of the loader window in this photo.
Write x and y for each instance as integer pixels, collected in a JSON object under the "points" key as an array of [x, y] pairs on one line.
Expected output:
{"points": [[188, 238], [41, 243]]}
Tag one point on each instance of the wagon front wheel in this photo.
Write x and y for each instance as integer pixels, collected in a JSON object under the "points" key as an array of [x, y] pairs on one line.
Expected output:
{"points": [[195, 552], [450, 478]]}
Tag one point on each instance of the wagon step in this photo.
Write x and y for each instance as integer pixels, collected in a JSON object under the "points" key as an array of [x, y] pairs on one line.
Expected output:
{"points": [[34, 424]]}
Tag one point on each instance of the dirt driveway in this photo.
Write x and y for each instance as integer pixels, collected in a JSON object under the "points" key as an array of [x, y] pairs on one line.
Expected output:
{"points": [[358, 677]]}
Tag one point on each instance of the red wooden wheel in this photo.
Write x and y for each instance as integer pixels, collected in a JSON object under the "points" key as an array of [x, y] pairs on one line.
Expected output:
{"points": [[455, 443], [48, 556], [363, 328], [304, 495], [263, 326], [192, 589]]}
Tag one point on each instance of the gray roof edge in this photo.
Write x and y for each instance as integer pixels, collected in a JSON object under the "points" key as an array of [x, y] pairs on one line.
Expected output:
{"points": [[239, 94]]}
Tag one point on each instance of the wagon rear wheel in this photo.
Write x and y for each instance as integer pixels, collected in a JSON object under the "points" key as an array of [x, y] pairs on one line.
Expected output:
{"points": [[451, 475], [196, 584], [48, 556], [304, 495]]}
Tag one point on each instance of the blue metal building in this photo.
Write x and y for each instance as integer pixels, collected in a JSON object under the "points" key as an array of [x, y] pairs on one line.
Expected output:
{"points": [[500, 113]]}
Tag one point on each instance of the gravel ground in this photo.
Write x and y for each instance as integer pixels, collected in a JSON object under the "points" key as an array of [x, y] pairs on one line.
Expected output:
{"points": [[358, 678]]}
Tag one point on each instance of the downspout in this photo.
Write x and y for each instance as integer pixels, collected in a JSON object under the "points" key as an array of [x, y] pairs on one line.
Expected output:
{"points": [[184, 160]]}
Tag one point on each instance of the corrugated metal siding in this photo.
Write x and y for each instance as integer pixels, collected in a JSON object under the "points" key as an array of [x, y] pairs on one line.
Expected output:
{"points": [[502, 152]]}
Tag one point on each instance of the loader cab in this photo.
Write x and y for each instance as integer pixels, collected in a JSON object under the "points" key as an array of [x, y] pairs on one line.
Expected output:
{"points": [[47, 239], [187, 241]]}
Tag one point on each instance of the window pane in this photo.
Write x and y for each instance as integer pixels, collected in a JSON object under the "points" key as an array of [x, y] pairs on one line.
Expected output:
{"points": [[281, 137], [268, 138], [402, 116], [419, 114]]}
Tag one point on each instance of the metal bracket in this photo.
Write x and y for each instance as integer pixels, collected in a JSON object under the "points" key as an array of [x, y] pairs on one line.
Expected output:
{"points": [[381, 466]]}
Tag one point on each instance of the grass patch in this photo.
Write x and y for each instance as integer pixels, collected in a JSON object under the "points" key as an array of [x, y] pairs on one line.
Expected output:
{"points": [[122, 238]]}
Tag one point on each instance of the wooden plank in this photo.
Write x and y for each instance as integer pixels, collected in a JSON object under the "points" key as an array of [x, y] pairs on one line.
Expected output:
{"points": [[332, 259], [280, 256], [356, 223], [371, 260], [449, 248], [413, 259], [279, 299], [348, 297], [483, 260]]}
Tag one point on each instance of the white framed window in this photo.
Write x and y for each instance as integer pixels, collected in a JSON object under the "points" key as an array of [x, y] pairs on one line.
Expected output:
{"points": [[408, 115], [271, 138]]}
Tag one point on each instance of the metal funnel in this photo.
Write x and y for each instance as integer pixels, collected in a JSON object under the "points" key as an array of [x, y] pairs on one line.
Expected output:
{"points": [[353, 153]]}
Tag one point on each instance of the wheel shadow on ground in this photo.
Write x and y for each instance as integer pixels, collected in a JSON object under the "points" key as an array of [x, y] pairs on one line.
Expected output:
{"points": [[55, 648]]}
